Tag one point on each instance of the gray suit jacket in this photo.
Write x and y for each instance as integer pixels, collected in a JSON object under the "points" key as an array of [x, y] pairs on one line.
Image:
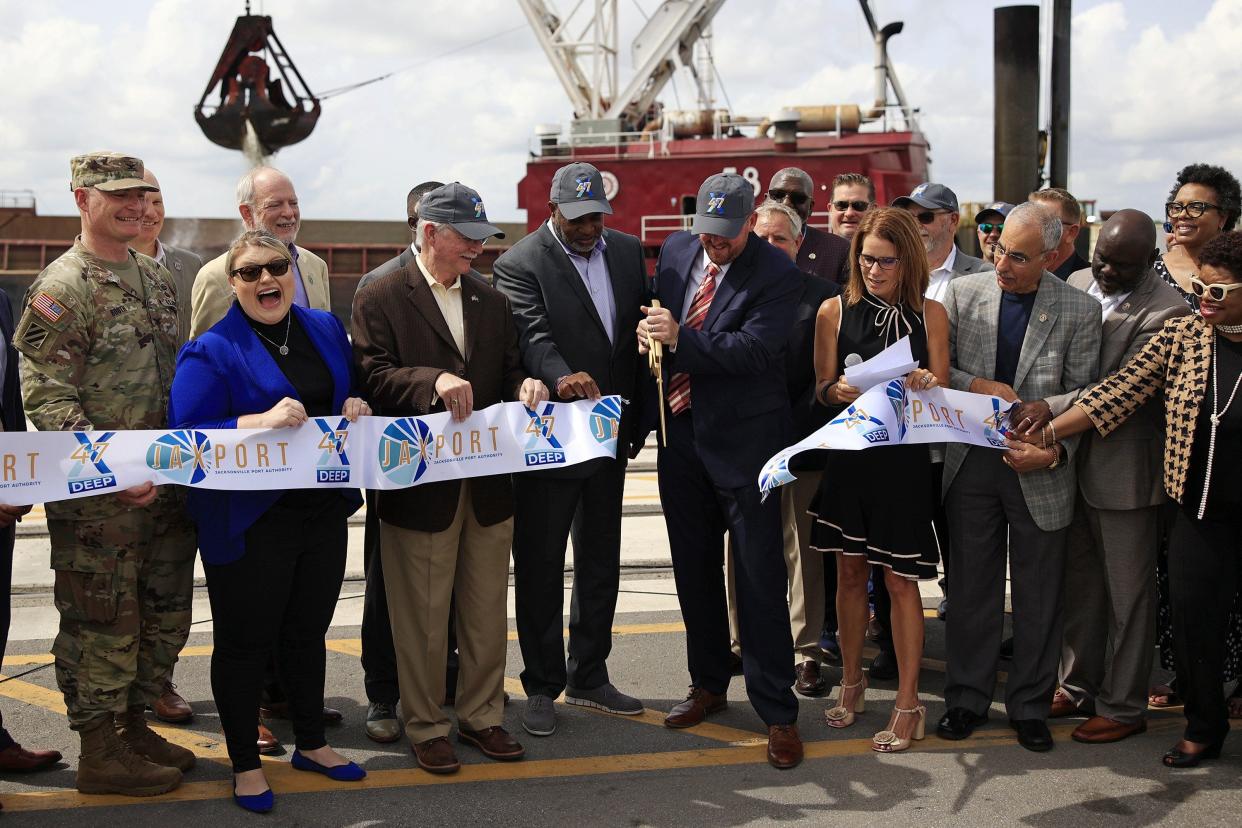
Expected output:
{"points": [[183, 266], [1125, 468], [406, 258], [1060, 353], [965, 263]]}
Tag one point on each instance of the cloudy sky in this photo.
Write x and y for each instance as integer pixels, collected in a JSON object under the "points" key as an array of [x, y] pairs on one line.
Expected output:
{"points": [[1156, 85]]}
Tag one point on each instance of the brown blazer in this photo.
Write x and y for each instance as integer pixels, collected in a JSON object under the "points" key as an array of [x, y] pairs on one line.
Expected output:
{"points": [[1176, 360], [401, 346]]}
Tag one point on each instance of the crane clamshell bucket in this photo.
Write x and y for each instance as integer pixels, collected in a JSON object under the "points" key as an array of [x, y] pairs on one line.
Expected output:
{"points": [[281, 110]]}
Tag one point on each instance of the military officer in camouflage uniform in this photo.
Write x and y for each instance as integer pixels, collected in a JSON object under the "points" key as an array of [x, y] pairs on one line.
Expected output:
{"points": [[98, 338]]}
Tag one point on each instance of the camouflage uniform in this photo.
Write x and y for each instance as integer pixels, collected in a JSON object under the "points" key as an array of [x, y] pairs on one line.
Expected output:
{"points": [[96, 355]]}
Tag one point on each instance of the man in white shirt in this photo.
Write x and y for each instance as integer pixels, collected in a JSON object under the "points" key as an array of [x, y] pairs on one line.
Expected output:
{"points": [[934, 207]]}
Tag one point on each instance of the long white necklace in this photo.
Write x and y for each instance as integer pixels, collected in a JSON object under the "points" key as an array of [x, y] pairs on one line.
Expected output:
{"points": [[1215, 420], [284, 346]]}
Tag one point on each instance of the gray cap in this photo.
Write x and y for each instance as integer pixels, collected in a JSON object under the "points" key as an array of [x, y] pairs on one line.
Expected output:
{"points": [[1001, 208], [725, 201], [459, 207], [578, 189], [931, 196]]}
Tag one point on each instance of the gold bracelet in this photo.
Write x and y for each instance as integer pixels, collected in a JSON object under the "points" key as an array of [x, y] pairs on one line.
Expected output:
{"points": [[1054, 431]]}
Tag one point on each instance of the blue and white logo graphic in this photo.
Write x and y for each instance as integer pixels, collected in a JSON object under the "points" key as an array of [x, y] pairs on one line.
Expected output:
{"points": [[583, 190], [605, 421], [542, 447], [404, 449], [775, 475], [872, 429], [478, 208], [994, 428], [333, 465], [182, 456], [90, 472], [715, 204], [896, 391]]}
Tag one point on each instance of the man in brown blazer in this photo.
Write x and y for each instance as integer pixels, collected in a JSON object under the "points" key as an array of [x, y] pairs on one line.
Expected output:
{"points": [[428, 338], [1110, 566]]}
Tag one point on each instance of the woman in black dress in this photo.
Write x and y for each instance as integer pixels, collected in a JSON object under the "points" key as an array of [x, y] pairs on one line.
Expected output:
{"points": [[875, 507]]}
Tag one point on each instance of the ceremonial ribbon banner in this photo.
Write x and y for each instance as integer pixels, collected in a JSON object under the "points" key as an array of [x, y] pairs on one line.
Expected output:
{"points": [[324, 452], [891, 414]]}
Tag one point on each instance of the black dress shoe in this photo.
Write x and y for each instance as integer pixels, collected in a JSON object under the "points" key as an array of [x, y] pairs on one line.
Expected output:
{"points": [[943, 609], [959, 723], [1177, 758], [883, 666], [1033, 734]]}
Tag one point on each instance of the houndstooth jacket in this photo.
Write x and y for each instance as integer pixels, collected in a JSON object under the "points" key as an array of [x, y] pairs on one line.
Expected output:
{"points": [[1176, 360]]}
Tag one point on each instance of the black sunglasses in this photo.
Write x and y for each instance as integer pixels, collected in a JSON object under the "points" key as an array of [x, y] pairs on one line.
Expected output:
{"points": [[987, 227], [859, 206], [928, 216], [794, 196], [252, 273]]}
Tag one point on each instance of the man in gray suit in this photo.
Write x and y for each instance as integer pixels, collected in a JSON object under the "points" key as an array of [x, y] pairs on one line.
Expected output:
{"points": [[1018, 333], [576, 289], [1110, 568], [934, 207], [183, 266]]}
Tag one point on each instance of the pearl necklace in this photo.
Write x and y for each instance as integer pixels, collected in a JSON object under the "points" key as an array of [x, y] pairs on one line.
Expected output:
{"points": [[1215, 420]]}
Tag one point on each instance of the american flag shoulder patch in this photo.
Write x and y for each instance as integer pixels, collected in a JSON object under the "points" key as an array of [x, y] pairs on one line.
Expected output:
{"points": [[47, 307]]}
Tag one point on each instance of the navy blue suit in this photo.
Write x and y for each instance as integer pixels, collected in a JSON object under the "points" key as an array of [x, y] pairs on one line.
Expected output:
{"points": [[709, 470]]}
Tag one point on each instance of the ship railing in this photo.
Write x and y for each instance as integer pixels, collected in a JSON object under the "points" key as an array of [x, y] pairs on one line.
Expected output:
{"points": [[17, 199], [601, 144]]}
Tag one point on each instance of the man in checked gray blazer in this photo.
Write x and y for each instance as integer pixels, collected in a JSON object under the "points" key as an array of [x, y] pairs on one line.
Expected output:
{"points": [[1110, 568], [1020, 334]]}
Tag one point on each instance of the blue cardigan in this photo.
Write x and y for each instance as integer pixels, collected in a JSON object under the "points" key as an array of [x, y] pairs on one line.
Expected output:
{"points": [[227, 373]]}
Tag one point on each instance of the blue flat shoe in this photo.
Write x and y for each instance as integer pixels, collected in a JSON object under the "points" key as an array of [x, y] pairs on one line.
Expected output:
{"points": [[255, 803], [349, 772]]}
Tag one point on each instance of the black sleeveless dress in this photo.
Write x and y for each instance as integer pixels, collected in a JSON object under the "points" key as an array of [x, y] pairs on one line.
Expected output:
{"points": [[877, 503]]}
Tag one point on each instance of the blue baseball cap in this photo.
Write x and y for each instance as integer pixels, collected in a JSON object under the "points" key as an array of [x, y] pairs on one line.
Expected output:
{"points": [[725, 201], [1001, 208], [931, 197], [459, 207], [578, 189]]}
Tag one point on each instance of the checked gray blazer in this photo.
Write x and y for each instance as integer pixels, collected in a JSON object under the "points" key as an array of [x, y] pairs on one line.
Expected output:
{"points": [[1061, 353]]}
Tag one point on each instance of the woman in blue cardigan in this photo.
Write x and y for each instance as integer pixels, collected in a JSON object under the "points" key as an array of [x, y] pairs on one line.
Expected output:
{"points": [[274, 560]]}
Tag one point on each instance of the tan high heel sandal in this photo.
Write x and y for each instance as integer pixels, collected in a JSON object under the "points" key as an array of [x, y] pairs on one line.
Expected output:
{"points": [[887, 741], [840, 716]]}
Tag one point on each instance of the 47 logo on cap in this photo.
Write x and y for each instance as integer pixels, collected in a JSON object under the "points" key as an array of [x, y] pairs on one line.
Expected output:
{"points": [[716, 203], [584, 186], [478, 207]]}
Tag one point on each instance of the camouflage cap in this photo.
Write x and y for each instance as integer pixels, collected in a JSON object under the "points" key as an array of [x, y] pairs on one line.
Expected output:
{"points": [[108, 171]]}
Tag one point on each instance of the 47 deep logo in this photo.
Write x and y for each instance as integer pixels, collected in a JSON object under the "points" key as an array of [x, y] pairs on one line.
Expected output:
{"points": [[89, 472], [181, 456], [333, 465], [872, 429], [540, 428]]}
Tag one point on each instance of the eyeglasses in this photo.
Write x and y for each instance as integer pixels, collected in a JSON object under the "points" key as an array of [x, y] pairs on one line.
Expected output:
{"points": [[928, 216], [1017, 258], [252, 273], [985, 228], [1217, 292], [1193, 209], [859, 206], [795, 197], [885, 262]]}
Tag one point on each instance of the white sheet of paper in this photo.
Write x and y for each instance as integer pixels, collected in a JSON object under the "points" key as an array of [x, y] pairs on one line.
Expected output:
{"points": [[894, 361]]}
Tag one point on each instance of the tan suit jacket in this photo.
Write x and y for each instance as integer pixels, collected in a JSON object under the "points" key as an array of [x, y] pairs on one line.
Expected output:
{"points": [[401, 347], [211, 296]]}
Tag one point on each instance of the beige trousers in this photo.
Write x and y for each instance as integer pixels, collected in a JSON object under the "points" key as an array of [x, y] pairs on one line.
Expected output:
{"points": [[422, 572]]}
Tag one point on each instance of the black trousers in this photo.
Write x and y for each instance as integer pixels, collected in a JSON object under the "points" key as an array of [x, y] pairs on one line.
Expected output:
{"points": [[1204, 568], [697, 513], [277, 598], [6, 613], [548, 512]]}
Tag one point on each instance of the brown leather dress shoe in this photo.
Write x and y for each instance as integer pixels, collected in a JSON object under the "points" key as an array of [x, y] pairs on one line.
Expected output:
{"points": [[1063, 705], [699, 704], [16, 759], [810, 681], [784, 746], [1099, 730], [495, 742], [269, 745], [171, 707], [436, 756], [280, 710]]}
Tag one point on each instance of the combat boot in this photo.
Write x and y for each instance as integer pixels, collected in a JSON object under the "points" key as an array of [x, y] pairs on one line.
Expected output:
{"points": [[148, 744], [108, 766]]}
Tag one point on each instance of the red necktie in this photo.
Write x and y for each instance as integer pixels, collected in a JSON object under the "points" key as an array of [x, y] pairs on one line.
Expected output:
{"points": [[679, 384]]}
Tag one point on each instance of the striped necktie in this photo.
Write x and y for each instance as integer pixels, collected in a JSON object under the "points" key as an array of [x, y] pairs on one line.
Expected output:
{"points": [[679, 384]]}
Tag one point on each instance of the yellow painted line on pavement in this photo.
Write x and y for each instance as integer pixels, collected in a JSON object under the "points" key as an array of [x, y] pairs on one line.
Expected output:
{"points": [[285, 780]]}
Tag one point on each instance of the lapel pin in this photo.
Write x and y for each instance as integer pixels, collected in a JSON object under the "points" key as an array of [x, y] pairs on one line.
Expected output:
{"points": [[1043, 317], [474, 297], [1125, 306], [810, 255]]}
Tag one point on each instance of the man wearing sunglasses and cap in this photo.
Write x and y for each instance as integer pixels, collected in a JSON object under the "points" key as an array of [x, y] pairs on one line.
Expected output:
{"points": [[934, 207], [436, 337], [99, 338], [729, 300], [989, 222], [576, 288]]}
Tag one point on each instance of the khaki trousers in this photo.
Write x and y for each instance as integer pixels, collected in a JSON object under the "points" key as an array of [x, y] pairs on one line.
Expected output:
{"points": [[805, 567], [422, 572]]}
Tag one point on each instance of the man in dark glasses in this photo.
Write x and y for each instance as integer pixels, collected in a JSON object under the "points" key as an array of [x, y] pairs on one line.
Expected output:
{"points": [[934, 207], [821, 252], [853, 194], [1064, 206], [989, 222]]}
